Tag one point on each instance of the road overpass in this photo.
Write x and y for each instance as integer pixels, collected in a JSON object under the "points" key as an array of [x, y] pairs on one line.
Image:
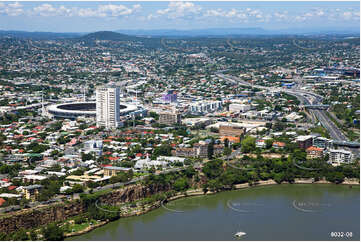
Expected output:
{"points": [[309, 99]]}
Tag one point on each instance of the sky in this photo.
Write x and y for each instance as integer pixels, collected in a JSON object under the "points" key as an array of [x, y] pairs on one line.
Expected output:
{"points": [[58, 16]]}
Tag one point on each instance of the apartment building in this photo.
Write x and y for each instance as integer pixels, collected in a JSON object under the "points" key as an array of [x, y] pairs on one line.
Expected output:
{"points": [[340, 156], [108, 107], [169, 118]]}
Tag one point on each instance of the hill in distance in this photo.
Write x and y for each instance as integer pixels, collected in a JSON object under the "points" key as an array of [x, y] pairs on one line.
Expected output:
{"points": [[197, 32], [107, 35], [36, 35]]}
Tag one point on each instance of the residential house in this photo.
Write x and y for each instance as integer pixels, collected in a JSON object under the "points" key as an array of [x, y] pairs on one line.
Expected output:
{"points": [[314, 152]]}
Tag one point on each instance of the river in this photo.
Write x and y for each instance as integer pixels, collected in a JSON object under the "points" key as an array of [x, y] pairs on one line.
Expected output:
{"points": [[278, 212]]}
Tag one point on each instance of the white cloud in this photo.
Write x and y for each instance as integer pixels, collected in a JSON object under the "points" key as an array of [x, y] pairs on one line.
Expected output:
{"points": [[45, 10], [280, 16], [215, 13], [231, 13], [114, 10], [15, 5], [320, 13], [109, 10], [180, 10], [11, 9]]}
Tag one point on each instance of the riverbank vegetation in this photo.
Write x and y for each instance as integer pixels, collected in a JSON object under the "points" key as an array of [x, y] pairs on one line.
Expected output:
{"points": [[214, 175]]}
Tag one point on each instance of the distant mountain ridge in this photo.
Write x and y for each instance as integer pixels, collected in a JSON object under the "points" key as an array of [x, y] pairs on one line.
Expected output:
{"points": [[107, 35], [198, 32], [36, 35], [151, 35], [235, 32]]}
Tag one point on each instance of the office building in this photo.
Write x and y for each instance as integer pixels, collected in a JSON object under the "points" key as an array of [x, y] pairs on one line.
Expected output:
{"points": [[304, 141], [170, 96], [169, 118], [108, 107]]}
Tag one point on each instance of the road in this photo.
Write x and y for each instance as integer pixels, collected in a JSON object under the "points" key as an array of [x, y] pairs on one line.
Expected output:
{"points": [[306, 98], [135, 180]]}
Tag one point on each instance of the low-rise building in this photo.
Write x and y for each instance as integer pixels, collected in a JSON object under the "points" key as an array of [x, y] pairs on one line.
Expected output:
{"points": [[304, 141], [201, 149], [340, 156], [114, 170], [314, 152], [184, 152], [238, 107], [261, 143], [32, 192], [278, 145], [231, 130], [231, 139], [322, 142], [33, 178], [218, 149]]}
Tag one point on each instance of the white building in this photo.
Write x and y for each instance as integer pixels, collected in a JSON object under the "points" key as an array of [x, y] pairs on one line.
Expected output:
{"points": [[340, 156], [205, 106], [93, 146], [108, 107], [162, 161], [292, 117], [237, 107]]}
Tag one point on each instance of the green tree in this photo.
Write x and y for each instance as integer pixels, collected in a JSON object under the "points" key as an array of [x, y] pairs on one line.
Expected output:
{"points": [[214, 185], [269, 143], [227, 151], [278, 177], [53, 232], [20, 235], [33, 235], [180, 184], [77, 188], [248, 144], [213, 168]]}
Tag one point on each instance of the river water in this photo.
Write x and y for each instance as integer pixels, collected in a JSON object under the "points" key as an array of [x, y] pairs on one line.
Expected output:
{"points": [[278, 212]]}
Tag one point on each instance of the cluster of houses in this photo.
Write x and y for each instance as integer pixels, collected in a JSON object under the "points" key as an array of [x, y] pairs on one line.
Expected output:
{"points": [[315, 147]]}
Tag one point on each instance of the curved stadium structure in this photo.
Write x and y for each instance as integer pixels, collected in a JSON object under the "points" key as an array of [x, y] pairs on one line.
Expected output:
{"points": [[87, 109]]}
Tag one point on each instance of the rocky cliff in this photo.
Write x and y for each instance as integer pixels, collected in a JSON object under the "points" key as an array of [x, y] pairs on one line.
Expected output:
{"points": [[38, 216]]}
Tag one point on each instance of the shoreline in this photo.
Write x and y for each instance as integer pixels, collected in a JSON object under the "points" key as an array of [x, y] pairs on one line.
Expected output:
{"points": [[200, 192]]}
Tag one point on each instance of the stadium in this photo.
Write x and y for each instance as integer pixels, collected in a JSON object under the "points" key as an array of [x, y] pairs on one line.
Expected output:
{"points": [[85, 109]]}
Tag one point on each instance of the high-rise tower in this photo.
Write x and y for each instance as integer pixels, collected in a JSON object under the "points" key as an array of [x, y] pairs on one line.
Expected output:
{"points": [[107, 106]]}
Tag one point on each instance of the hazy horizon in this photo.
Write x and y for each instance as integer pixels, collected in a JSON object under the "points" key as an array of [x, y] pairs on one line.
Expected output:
{"points": [[111, 16]]}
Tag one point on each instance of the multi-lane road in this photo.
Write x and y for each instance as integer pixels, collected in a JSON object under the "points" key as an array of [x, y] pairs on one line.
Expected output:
{"points": [[306, 98]]}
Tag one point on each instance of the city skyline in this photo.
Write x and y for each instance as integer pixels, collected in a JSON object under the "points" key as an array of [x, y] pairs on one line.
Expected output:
{"points": [[186, 15]]}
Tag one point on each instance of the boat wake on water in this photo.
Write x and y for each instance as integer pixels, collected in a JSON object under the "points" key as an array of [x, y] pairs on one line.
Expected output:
{"points": [[239, 234]]}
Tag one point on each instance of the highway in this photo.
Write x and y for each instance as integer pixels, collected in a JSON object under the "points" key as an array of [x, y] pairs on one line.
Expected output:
{"points": [[306, 98]]}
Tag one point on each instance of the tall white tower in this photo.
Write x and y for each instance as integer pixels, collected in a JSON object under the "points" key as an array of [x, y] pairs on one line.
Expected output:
{"points": [[107, 106]]}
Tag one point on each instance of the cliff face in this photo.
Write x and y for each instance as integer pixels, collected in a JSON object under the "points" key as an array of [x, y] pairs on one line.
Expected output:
{"points": [[35, 217], [131, 193], [32, 218]]}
